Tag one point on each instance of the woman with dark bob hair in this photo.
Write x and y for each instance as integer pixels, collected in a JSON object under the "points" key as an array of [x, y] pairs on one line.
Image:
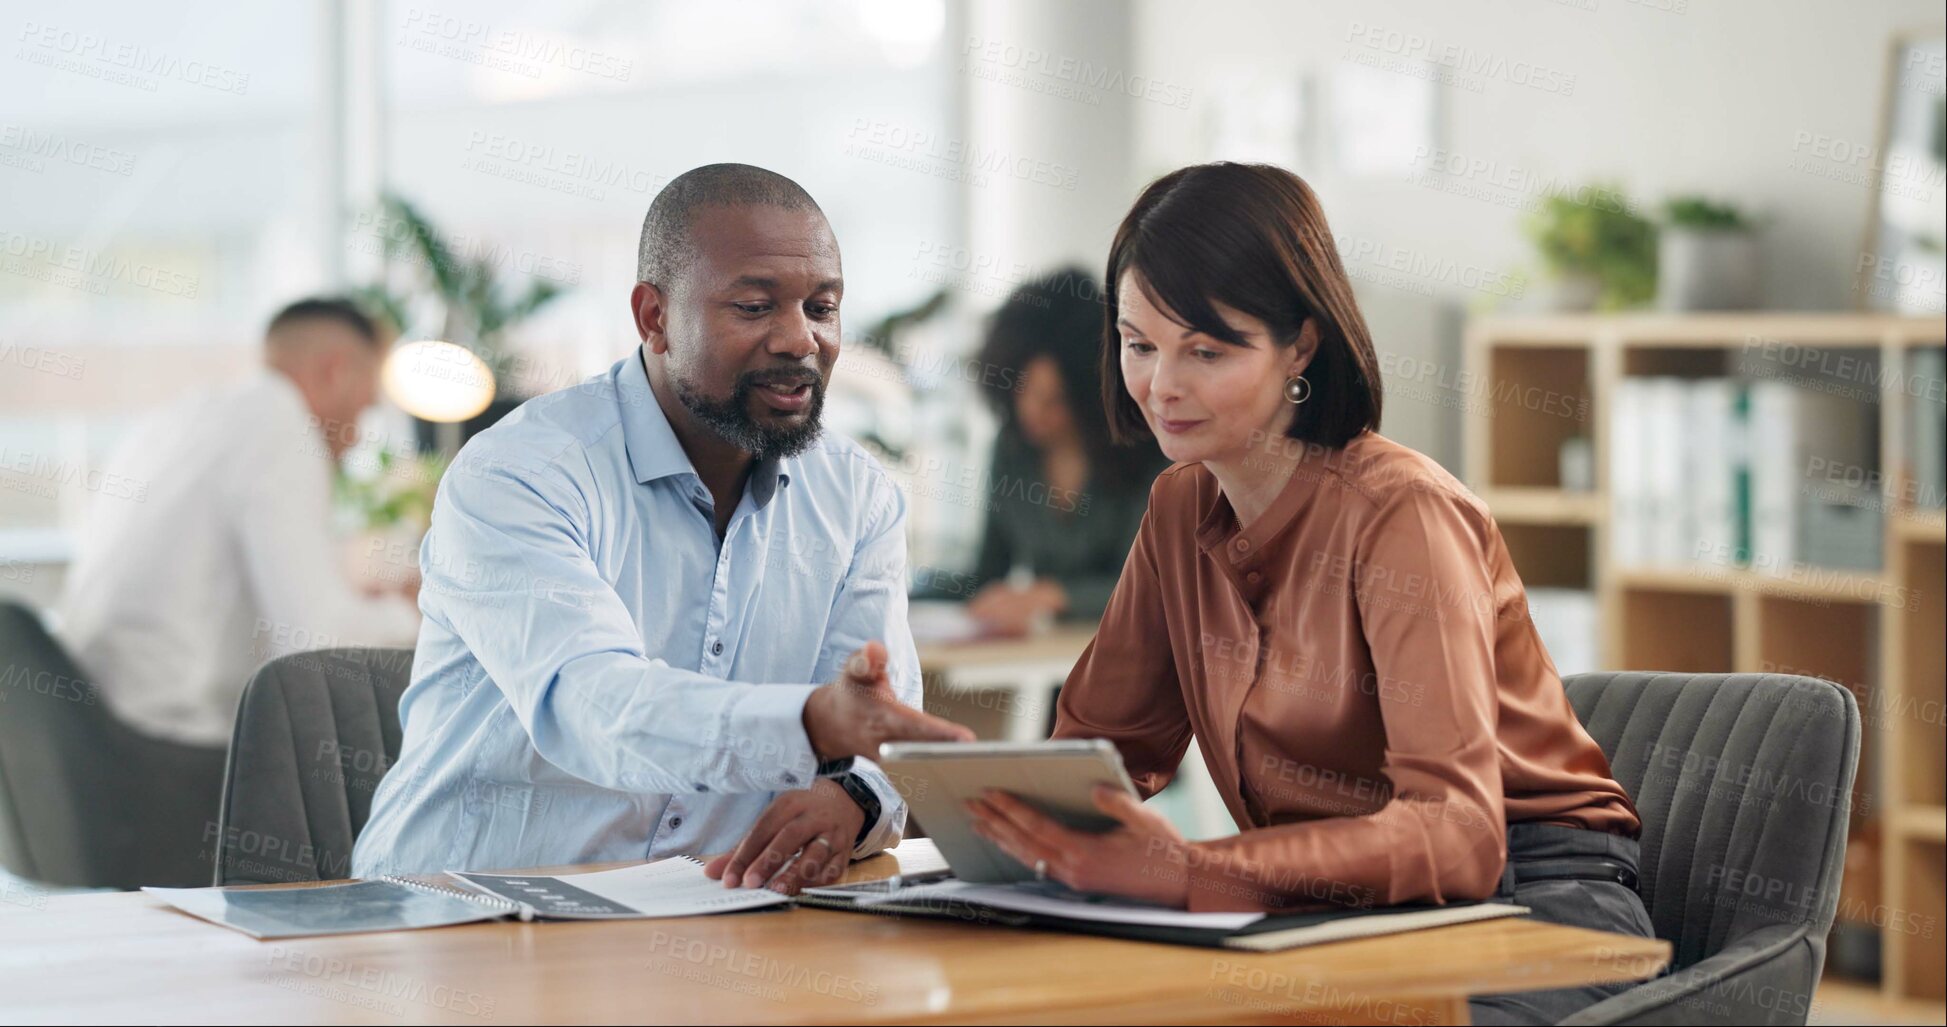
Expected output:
{"points": [[1329, 614]]}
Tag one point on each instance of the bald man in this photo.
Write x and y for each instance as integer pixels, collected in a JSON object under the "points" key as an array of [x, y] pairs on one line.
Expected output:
{"points": [[220, 555], [664, 610]]}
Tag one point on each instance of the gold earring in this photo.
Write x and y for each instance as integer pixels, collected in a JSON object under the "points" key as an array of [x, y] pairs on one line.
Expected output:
{"points": [[1297, 389]]}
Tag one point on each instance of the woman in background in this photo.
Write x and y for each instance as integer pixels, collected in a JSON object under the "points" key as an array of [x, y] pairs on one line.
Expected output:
{"points": [[1332, 617], [1065, 498]]}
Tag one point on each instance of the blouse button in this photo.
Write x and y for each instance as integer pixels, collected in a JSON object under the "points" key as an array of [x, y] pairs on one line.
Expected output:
{"points": [[1254, 577], [1243, 544]]}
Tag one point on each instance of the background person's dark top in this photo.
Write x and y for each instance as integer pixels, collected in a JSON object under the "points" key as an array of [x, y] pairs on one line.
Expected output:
{"points": [[1079, 539]]}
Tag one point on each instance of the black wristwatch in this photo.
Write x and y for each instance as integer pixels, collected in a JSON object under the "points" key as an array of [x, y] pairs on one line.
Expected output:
{"points": [[868, 801]]}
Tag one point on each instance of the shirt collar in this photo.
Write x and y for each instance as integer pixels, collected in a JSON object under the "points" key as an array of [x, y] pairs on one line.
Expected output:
{"points": [[655, 452], [1219, 530]]}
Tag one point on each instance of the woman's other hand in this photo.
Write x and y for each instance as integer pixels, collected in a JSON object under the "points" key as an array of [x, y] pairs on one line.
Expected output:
{"points": [[1144, 858]]}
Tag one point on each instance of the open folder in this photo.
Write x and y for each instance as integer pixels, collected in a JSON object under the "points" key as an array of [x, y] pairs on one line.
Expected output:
{"points": [[1049, 905], [665, 888]]}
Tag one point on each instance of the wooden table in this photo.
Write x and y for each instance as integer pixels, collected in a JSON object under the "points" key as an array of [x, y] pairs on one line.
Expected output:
{"points": [[126, 957]]}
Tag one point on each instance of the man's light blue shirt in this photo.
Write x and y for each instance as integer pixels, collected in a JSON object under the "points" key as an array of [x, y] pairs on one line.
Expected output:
{"points": [[597, 677]]}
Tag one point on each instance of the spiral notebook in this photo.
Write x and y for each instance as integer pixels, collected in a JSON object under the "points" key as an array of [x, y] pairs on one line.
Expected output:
{"points": [[666, 888]]}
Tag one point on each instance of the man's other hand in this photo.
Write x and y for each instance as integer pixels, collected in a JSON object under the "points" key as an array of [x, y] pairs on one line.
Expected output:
{"points": [[803, 839]]}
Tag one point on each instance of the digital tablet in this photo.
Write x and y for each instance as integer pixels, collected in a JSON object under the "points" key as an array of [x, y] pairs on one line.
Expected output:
{"points": [[1057, 778]]}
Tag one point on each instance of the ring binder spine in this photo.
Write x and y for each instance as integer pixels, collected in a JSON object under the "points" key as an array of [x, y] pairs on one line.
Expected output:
{"points": [[492, 901]]}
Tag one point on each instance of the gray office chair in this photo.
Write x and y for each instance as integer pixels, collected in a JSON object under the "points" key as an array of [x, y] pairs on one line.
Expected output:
{"points": [[1744, 785], [85, 800], [315, 733]]}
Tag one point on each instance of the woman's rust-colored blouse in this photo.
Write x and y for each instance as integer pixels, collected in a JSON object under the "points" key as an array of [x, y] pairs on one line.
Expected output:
{"points": [[1361, 673]]}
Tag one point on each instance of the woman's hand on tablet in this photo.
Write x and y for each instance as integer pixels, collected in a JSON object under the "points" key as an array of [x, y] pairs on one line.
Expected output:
{"points": [[1145, 858]]}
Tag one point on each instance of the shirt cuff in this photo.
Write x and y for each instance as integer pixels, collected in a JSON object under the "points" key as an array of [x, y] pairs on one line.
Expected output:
{"points": [[762, 740], [892, 810]]}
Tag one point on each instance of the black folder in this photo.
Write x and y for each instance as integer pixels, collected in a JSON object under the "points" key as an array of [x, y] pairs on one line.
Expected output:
{"points": [[1270, 934]]}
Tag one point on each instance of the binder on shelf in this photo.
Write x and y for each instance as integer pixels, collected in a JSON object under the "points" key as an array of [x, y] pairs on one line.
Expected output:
{"points": [[1709, 479], [1566, 620], [1627, 474], [1674, 477], [1741, 474], [1664, 423], [1811, 449], [1926, 393]]}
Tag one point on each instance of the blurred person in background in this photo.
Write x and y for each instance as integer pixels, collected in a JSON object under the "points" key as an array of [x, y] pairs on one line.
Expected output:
{"points": [[224, 556], [1066, 499]]}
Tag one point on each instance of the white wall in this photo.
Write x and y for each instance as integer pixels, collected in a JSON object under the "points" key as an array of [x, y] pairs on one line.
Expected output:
{"points": [[1732, 98], [1717, 97]]}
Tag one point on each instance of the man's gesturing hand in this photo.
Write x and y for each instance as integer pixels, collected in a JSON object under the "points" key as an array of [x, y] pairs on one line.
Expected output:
{"points": [[852, 715]]}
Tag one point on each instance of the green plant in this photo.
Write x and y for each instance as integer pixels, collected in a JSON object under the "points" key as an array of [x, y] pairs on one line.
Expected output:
{"points": [[392, 489], [881, 335], [1597, 232], [1702, 213], [476, 307]]}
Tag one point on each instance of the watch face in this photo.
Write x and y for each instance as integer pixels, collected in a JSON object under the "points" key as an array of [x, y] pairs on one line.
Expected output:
{"points": [[868, 801]]}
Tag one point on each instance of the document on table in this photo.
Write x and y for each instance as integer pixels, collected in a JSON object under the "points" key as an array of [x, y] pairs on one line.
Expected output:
{"points": [[918, 857], [351, 908], [1060, 902], [669, 887]]}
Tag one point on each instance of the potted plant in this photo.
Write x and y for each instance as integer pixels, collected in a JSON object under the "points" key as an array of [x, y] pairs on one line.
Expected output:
{"points": [[1600, 252], [431, 290], [386, 502], [1706, 256]]}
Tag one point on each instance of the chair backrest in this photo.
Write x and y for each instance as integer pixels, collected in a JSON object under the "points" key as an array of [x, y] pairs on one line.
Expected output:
{"points": [[1744, 785], [85, 800], [315, 733]]}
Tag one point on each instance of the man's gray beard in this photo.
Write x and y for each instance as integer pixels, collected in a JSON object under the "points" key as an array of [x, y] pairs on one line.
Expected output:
{"points": [[731, 420]]}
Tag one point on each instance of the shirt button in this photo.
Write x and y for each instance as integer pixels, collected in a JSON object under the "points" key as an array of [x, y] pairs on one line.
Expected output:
{"points": [[1243, 544], [717, 649], [675, 822], [702, 788], [1254, 577]]}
